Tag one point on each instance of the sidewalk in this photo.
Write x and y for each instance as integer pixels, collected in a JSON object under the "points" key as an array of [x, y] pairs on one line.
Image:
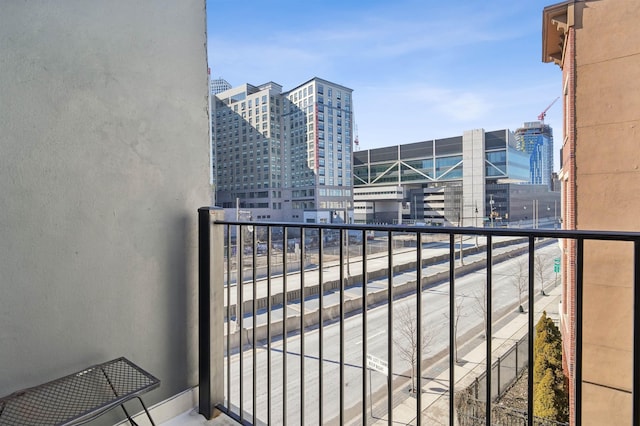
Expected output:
{"points": [[435, 402]]}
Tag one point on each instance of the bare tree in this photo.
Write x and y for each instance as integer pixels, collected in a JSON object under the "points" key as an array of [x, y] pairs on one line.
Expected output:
{"points": [[480, 306], [408, 340], [457, 314], [521, 280], [540, 261]]}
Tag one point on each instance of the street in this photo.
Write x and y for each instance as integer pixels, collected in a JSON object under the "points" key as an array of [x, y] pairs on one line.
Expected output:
{"points": [[435, 307]]}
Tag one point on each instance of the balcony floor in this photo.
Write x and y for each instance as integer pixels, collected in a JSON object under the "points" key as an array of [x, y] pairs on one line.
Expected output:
{"points": [[192, 418]]}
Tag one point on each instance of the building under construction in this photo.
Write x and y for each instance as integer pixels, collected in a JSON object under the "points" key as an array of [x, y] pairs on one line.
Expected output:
{"points": [[536, 140]]}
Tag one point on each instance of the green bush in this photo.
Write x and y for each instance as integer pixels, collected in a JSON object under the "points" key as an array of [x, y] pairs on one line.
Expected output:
{"points": [[550, 399]]}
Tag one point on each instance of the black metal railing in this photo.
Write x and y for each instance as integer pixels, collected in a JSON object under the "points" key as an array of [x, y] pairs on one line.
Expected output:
{"points": [[288, 314]]}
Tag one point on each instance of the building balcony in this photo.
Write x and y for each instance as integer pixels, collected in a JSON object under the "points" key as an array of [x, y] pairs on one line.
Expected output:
{"points": [[336, 339]]}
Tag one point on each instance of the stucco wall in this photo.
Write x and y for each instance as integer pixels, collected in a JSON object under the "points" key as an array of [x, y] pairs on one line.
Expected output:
{"points": [[104, 162]]}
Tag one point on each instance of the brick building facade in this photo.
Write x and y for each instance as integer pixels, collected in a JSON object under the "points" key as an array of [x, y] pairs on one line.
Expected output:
{"points": [[595, 43]]}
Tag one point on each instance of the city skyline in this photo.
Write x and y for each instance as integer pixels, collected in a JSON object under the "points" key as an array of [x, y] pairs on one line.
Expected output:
{"points": [[408, 62]]}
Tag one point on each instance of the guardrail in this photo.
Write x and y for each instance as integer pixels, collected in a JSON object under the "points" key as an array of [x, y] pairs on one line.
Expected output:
{"points": [[319, 292]]}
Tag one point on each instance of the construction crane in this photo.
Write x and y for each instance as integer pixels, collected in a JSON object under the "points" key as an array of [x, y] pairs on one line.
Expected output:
{"points": [[543, 114], [356, 142]]}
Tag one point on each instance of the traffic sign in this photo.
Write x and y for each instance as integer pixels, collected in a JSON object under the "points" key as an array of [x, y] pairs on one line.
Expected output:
{"points": [[377, 364], [556, 265]]}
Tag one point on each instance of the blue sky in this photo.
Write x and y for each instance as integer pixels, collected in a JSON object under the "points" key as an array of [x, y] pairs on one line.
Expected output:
{"points": [[419, 69]]}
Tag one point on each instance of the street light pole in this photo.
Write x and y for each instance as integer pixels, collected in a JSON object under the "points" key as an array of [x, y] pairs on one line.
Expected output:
{"points": [[346, 220], [535, 214], [475, 221], [491, 202], [238, 263]]}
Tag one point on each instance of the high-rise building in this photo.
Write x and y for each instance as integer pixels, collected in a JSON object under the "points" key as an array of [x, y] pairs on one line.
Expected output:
{"points": [[284, 155], [536, 139], [218, 85]]}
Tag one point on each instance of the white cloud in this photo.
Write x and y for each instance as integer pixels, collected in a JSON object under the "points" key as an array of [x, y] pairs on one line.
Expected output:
{"points": [[456, 105]]}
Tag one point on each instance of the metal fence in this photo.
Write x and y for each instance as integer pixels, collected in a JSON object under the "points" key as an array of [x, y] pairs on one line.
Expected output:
{"points": [[472, 412], [505, 370], [257, 358]]}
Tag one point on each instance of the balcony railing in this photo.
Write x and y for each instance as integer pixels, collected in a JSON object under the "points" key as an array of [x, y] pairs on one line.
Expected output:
{"points": [[355, 324]]}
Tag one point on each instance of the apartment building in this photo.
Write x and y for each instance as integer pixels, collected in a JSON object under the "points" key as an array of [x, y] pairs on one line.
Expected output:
{"points": [[595, 43], [284, 155]]}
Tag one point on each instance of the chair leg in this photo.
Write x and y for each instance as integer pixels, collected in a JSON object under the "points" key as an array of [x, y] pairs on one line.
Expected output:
{"points": [[146, 411], [128, 416]]}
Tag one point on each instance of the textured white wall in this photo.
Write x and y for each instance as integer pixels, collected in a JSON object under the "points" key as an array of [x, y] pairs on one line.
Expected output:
{"points": [[103, 164]]}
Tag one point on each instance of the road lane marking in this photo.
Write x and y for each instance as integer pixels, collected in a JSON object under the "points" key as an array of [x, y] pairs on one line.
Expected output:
{"points": [[359, 342]]}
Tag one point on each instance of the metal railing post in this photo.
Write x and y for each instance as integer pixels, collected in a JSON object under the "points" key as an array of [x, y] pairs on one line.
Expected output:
{"points": [[531, 331], [489, 331], [452, 331], [419, 330], [321, 326], [390, 329], [579, 329], [210, 310], [365, 347], [342, 358], [635, 411]]}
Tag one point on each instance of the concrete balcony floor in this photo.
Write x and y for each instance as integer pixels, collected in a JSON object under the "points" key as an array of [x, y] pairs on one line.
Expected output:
{"points": [[192, 418]]}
